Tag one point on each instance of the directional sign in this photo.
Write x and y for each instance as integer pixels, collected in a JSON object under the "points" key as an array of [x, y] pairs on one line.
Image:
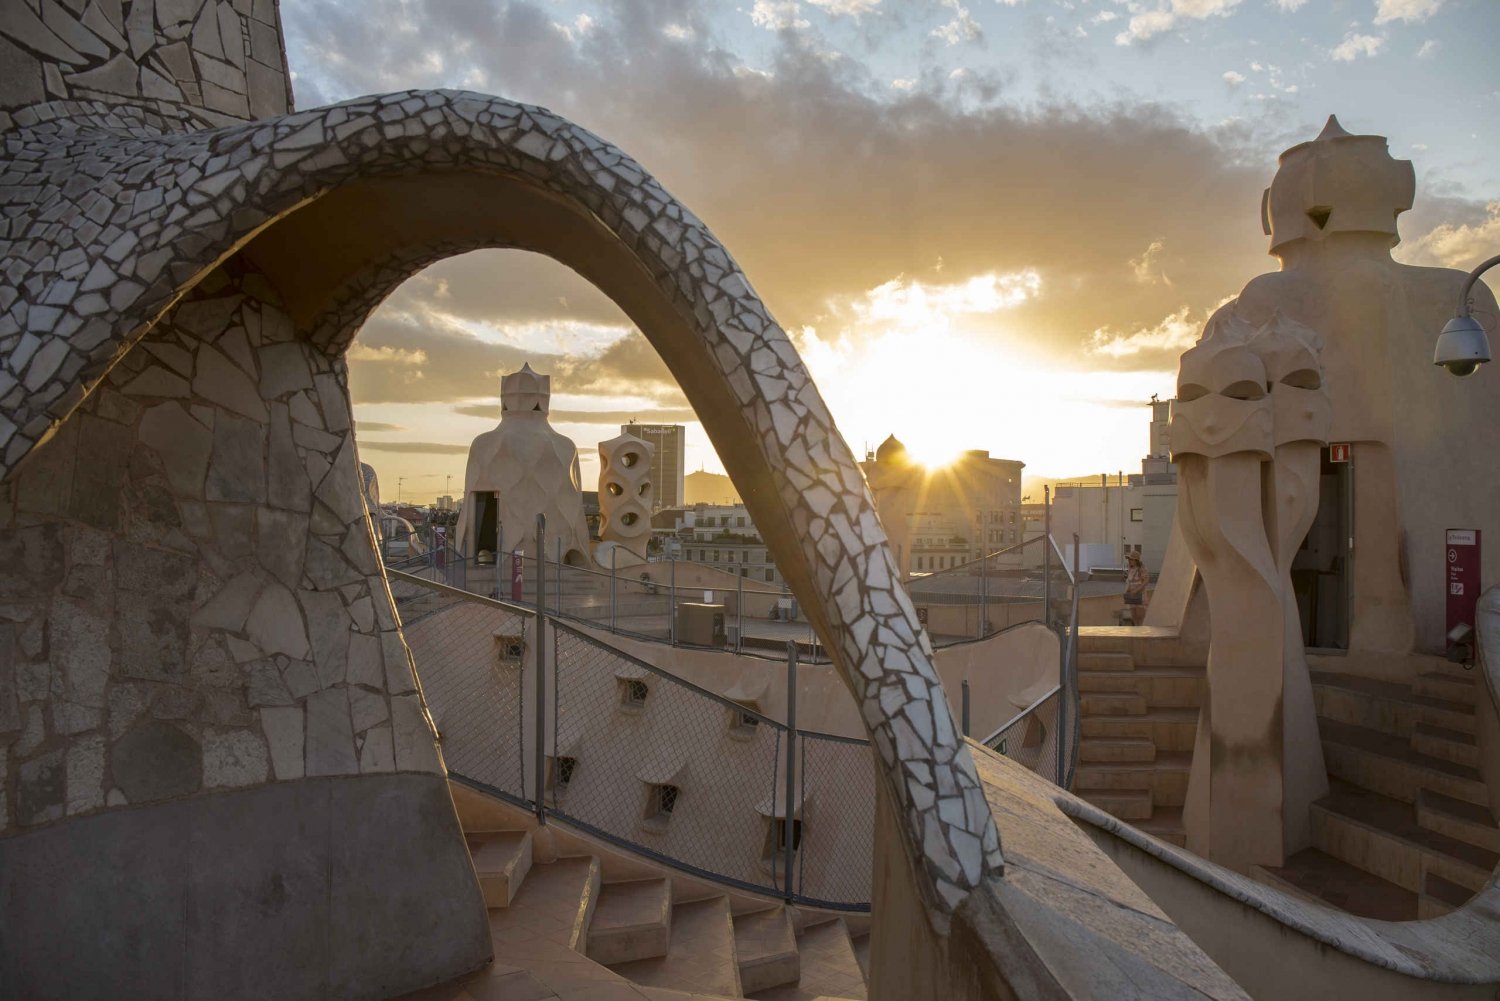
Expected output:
{"points": [[517, 574], [1338, 452], [1462, 561]]}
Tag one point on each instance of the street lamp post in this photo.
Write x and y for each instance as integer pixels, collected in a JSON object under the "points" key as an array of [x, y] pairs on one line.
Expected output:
{"points": [[1462, 346]]}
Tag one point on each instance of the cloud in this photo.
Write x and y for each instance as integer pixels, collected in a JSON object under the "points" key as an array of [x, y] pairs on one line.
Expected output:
{"points": [[1291, 5], [386, 355], [1429, 48], [377, 427], [778, 15], [846, 8], [1173, 335], [1147, 267], [1409, 11], [645, 415], [1233, 79], [1355, 45], [1146, 24], [963, 27], [1457, 245], [414, 447]]}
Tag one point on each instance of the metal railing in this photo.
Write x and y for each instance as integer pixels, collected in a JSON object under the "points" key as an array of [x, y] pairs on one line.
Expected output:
{"points": [[543, 714], [559, 722], [646, 601], [1031, 738]]}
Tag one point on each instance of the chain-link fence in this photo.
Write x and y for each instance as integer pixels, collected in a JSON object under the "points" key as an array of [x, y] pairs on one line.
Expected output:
{"points": [[471, 657], [635, 755], [1033, 738], [837, 826]]}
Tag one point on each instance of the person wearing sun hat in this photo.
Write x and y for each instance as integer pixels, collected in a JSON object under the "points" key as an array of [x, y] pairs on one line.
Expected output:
{"points": [[1135, 588]]}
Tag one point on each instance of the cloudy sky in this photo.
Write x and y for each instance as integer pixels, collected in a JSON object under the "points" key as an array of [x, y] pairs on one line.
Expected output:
{"points": [[987, 223]]}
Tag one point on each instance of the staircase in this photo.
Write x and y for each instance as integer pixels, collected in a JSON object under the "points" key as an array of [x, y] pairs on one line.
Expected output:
{"points": [[1405, 832], [569, 924], [1139, 695]]}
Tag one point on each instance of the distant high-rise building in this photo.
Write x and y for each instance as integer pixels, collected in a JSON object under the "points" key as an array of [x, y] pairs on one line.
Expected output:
{"points": [[668, 465]]}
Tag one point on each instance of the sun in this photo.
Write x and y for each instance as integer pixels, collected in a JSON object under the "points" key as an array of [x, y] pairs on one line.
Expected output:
{"points": [[934, 454]]}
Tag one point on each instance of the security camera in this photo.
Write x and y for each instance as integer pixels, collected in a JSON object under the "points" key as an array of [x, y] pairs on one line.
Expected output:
{"points": [[1462, 346]]}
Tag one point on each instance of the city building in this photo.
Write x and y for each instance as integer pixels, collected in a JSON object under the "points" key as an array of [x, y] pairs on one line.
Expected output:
{"points": [[668, 463], [1116, 513], [939, 518], [722, 536]]}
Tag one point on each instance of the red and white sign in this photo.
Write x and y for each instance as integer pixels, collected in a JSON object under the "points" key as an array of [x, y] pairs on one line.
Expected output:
{"points": [[1338, 452], [517, 574], [1462, 560]]}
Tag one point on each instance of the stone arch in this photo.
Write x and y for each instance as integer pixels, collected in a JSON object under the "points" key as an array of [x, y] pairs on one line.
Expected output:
{"points": [[335, 206]]}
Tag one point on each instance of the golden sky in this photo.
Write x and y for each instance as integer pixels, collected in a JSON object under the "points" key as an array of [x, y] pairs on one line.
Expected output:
{"points": [[986, 225]]}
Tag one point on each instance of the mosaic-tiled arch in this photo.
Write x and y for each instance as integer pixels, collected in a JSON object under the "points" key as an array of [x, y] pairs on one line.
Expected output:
{"points": [[112, 222]]}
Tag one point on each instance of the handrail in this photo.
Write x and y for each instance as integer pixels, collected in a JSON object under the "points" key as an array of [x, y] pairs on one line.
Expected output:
{"points": [[987, 742]]}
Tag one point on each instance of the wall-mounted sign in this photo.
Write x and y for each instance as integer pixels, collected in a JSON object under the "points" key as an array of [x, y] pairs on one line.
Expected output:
{"points": [[517, 574], [1338, 452], [1461, 557]]}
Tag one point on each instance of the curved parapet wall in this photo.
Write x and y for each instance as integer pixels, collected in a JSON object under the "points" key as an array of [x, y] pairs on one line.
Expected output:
{"points": [[323, 213]]}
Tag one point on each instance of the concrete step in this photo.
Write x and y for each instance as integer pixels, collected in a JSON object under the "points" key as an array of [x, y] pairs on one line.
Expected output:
{"points": [[1171, 729], [633, 921], [1442, 665], [1317, 876], [1436, 685], [830, 966], [1095, 660], [1439, 897], [1166, 777], [1112, 749], [553, 906], [700, 956], [766, 947], [1386, 764], [1159, 686], [1384, 705], [1165, 824], [1127, 804], [1470, 823], [1111, 704], [501, 861], [1381, 836], [1440, 742]]}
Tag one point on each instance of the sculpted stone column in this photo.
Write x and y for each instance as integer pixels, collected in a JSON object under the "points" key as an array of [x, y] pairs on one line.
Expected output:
{"points": [[1246, 436], [625, 494], [519, 470]]}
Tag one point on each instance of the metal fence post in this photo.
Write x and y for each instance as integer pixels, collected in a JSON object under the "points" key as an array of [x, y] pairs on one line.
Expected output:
{"points": [[614, 551], [965, 716], [499, 552], [1072, 690], [1047, 555], [541, 667], [558, 606], [791, 765], [739, 612], [672, 603], [984, 596]]}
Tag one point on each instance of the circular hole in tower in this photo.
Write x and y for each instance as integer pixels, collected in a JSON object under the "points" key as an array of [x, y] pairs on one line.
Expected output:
{"points": [[615, 489], [629, 459], [629, 518], [644, 488]]}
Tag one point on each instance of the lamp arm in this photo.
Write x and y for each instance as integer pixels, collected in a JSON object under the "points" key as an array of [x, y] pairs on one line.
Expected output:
{"points": [[1463, 296]]}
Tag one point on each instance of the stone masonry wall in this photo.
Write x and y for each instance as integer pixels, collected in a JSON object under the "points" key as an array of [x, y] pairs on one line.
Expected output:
{"points": [[190, 598], [198, 63]]}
